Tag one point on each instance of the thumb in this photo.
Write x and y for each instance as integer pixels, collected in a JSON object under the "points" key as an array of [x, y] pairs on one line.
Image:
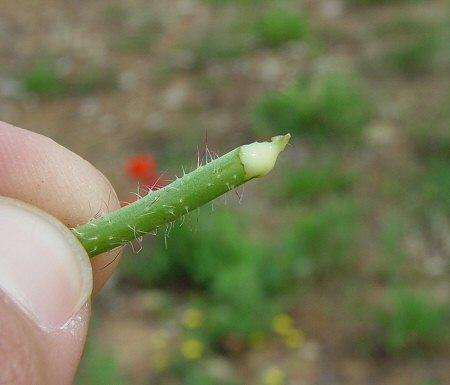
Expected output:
{"points": [[45, 288]]}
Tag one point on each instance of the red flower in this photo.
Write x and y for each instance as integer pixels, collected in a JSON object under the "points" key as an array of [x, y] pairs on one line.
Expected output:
{"points": [[141, 167], [144, 169]]}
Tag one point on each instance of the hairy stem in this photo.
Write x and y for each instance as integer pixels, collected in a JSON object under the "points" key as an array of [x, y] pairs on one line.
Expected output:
{"points": [[181, 196]]}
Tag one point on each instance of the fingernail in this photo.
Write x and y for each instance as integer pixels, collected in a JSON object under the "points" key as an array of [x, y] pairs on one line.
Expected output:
{"points": [[43, 268]]}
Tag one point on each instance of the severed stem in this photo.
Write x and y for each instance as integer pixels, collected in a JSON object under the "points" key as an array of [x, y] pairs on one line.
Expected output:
{"points": [[183, 195]]}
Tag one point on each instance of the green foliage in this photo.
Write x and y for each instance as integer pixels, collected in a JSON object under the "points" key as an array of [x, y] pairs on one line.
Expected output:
{"points": [[216, 259], [279, 27], [432, 141], [406, 321], [313, 180], [324, 107], [393, 255], [321, 243], [435, 185], [415, 56], [200, 250], [241, 302], [429, 381], [243, 281], [414, 45], [166, 264], [98, 368], [44, 79]]}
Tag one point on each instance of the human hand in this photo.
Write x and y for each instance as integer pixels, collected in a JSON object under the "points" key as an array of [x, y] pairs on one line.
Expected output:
{"points": [[46, 278]]}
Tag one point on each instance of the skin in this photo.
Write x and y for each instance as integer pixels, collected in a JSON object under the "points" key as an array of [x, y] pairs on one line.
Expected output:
{"points": [[42, 266]]}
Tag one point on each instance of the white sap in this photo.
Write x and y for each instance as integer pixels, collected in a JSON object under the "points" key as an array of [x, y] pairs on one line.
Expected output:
{"points": [[259, 158]]}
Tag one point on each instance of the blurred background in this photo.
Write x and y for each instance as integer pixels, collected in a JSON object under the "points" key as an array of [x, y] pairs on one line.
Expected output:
{"points": [[332, 270]]}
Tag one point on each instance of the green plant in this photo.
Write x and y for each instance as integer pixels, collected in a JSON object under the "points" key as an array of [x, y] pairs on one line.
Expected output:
{"points": [[321, 243], [314, 180], [44, 79], [98, 368], [407, 321], [323, 107], [414, 45], [242, 302], [204, 244], [216, 260], [165, 265], [279, 27], [415, 56], [429, 381], [196, 255], [432, 140], [392, 253], [434, 185]]}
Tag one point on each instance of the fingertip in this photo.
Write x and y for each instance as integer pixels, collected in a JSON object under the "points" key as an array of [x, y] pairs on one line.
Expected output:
{"points": [[39, 171], [45, 289], [43, 267]]}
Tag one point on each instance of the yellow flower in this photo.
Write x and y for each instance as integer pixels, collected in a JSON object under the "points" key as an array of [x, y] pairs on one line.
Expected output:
{"points": [[294, 338], [273, 376], [160, 362], [192, 318], [282, 324], [192, 349]]}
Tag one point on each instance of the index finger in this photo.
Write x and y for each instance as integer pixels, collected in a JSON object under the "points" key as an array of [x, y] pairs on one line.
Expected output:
{"points": [[39, 171]]}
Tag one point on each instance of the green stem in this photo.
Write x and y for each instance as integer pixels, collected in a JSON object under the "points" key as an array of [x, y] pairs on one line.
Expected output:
{"points": [[181, 196]]}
